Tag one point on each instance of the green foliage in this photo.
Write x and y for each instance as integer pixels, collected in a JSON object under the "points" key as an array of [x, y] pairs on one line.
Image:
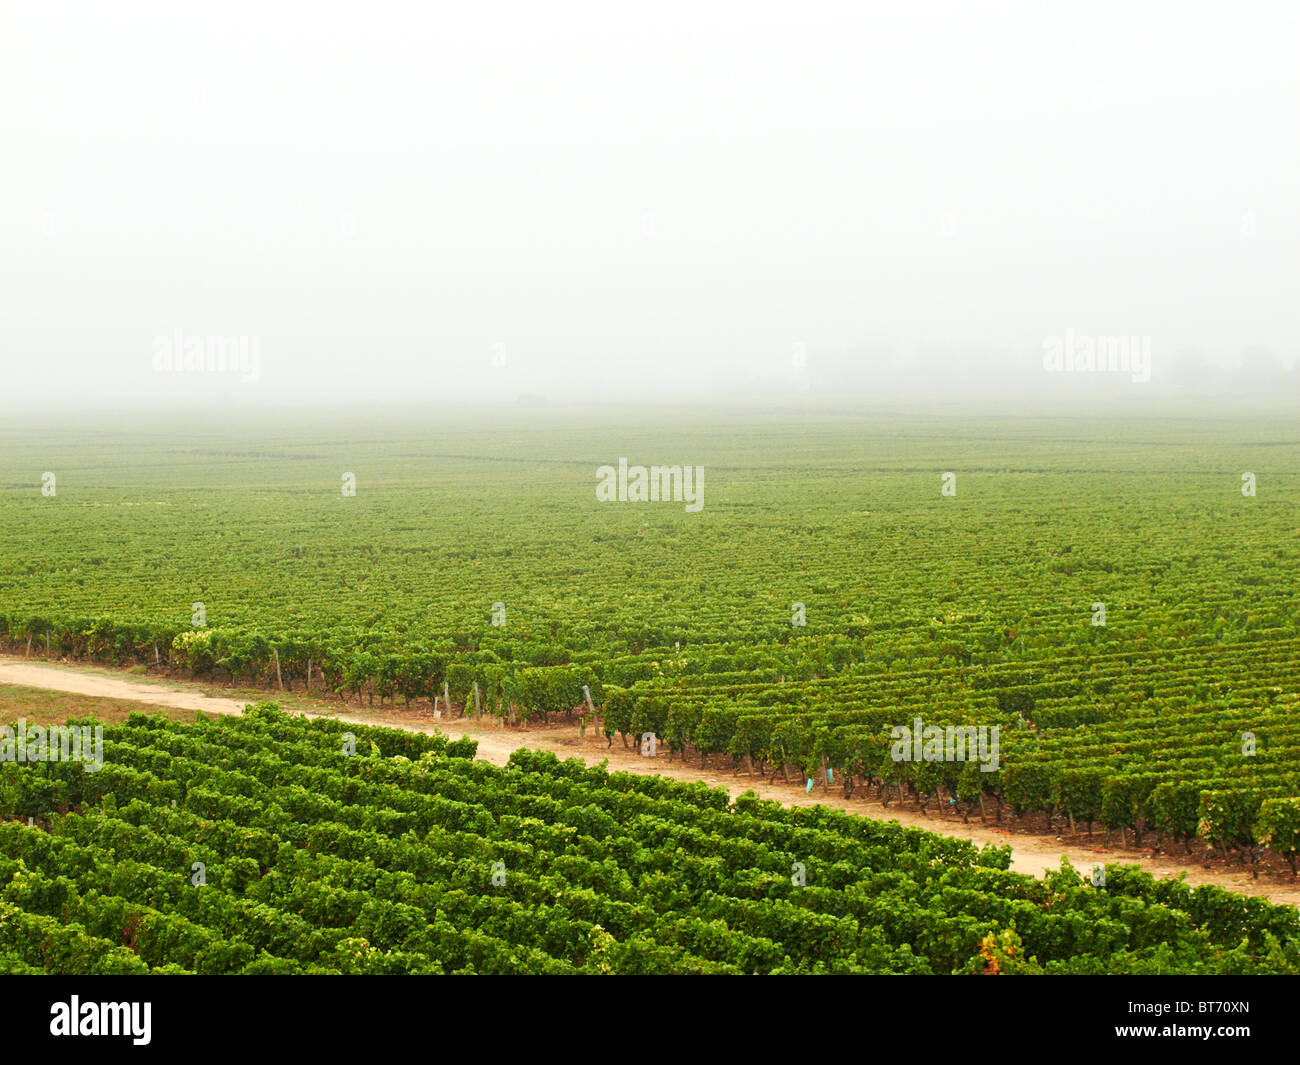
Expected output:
{"points": [[410, 859], [1178, 716]]}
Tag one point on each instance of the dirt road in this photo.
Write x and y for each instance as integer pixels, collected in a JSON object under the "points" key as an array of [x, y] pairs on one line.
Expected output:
{"points": [[1030, 853]]}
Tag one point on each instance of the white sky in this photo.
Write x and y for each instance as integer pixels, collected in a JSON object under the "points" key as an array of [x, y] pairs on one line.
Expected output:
{"points": [[652, 200]]}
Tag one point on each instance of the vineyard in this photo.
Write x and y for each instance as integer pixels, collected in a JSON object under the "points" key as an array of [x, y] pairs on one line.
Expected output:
{"points": [[1103, 590], [270, 844]]}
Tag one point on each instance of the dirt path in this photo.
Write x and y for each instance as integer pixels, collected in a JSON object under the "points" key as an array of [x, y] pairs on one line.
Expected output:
{"points": [[1033, 854], [77, 682]]}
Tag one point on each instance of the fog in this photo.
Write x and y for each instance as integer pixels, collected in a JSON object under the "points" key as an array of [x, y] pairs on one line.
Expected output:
{"points": [[672, 202]]}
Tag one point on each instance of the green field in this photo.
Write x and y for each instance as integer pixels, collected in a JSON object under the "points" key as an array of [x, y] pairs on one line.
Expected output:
{"points": [[1178, 716], [267, 844]]}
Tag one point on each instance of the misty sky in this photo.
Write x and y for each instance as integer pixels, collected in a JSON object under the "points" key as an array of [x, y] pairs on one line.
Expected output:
{"points": [[621, 201]]}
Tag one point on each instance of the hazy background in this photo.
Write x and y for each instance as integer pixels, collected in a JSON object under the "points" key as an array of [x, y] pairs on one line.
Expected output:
{"points": [[676, 201]]}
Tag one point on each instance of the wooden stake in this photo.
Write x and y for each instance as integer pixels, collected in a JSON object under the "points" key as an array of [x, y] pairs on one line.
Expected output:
{"points": [[277, 668]]}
